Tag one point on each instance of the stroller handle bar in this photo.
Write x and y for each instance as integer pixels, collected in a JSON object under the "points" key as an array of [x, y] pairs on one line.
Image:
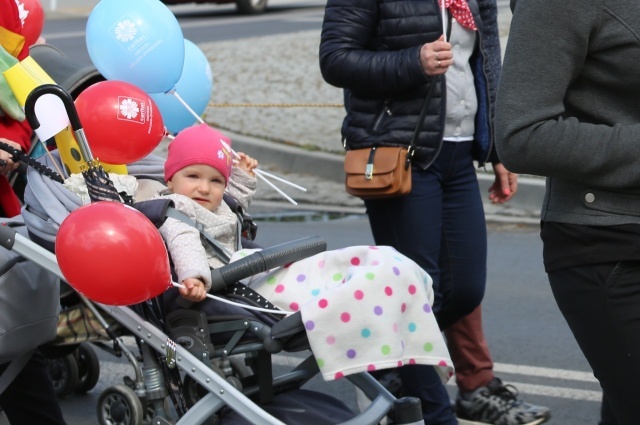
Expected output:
{"points": [[266, 259], [258, 262]]}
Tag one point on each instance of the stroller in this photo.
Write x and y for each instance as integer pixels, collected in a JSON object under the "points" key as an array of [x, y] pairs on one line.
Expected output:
{"points": [[211, 369]]}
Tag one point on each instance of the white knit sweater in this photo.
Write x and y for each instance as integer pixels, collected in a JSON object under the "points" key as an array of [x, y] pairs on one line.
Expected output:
{"points": [[192, 256]]}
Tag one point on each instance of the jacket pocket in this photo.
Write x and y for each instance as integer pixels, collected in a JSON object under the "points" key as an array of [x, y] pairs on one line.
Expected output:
{"points": [[612, 202]]}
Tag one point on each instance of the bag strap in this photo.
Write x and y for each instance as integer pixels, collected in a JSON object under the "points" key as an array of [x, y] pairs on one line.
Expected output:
{"points": [[423, 114], [225, 255], [18, 155], [425, 103]]}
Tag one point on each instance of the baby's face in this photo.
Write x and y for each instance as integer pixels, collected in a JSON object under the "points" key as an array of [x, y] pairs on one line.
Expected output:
{"points": [[202, 183]]}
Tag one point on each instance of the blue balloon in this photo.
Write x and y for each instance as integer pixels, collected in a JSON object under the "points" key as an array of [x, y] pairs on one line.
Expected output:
{"points": [[194, 88], [136, 41]]}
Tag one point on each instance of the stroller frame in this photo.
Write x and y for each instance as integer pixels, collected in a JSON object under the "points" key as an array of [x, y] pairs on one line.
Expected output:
{"points": [[220, 392]]}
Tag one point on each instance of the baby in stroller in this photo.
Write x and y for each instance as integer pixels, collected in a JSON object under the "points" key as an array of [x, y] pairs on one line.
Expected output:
{"points": [[363, 307]]}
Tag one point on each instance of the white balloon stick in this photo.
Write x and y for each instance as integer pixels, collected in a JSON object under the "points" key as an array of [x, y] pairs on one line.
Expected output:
{"points": [[444, 20], [248, 307]]}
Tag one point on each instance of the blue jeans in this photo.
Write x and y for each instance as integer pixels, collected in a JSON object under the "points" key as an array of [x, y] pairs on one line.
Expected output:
{"points": [[441, 226]]}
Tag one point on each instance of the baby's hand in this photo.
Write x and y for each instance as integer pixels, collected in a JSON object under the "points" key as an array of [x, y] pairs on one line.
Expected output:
{"points": [[193, 289], [246, 163]]}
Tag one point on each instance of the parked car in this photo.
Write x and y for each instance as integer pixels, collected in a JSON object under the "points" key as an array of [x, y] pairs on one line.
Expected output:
{"points": [[244, 6]]}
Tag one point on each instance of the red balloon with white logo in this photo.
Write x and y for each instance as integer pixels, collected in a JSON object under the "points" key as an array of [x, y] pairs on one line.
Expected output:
{"points": [[32, 17], [112, 254], [121, 122]]}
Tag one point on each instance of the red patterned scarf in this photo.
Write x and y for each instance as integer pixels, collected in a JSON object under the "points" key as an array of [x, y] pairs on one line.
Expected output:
{"points": [[460, 11]]}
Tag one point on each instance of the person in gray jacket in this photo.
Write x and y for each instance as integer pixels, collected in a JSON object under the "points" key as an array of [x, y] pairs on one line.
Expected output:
{"points": [[567, 109]]}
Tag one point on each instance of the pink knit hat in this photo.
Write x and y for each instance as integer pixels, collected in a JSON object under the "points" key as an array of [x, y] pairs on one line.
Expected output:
{"points": [[199, 144]]}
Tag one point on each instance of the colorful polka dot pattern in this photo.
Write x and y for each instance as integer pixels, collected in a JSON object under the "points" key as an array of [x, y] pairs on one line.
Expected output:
{"points": [[460, 12], [364, 308]]}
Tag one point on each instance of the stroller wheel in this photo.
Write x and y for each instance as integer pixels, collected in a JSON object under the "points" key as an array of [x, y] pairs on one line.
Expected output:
{"points": [[194, 392], [88, 368], [64, 374], [119, 405]]}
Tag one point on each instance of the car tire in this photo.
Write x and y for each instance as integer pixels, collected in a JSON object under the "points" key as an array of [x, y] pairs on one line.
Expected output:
{"points": [[250, 7]]}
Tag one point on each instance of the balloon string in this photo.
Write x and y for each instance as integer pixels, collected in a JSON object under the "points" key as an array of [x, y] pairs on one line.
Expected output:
{"points": [[53, 161], [186, 105], [248, 307], [258, 173]]}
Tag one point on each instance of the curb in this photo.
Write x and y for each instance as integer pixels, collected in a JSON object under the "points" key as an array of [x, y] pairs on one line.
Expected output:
{"points": [[291, 159], [524, 207]]}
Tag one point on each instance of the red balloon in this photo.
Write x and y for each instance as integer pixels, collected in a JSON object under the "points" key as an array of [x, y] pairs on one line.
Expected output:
{"points": [[121, 122], [32, 17], [112, 254]]}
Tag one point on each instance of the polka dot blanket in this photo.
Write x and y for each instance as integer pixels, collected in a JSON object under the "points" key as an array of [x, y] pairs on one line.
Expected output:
{"points": [[364, 308]]}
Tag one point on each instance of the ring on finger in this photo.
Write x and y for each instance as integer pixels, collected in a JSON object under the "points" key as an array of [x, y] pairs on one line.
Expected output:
{"points": [[439, 62]]}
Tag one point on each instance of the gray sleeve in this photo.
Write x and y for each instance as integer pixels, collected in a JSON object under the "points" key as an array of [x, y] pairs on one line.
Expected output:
{"points": [[185, 248], [549, 45], [242, 186]]}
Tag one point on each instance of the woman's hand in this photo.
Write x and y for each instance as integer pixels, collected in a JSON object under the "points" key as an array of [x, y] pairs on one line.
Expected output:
{"points": [[504, 186], [6, 159], [436, 57], [193, 289]]}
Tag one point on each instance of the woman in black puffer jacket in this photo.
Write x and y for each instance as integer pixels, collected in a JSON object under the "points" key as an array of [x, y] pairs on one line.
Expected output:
{"points": [[385, 54]]}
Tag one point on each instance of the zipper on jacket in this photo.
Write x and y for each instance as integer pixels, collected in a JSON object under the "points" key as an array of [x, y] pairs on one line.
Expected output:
{"points": [[385, 110], [488, 94]]}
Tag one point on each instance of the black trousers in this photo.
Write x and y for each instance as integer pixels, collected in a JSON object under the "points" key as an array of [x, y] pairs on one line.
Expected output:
{"points": [[601, 304], [30, 399]]}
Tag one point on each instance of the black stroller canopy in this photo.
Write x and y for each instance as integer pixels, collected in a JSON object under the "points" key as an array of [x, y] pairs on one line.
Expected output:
{"points": [[72, 77]]}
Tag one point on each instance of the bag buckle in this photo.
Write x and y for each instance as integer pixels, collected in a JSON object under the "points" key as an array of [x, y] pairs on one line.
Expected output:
{"points": [[410, 153], [368, 171], [170, 351]]}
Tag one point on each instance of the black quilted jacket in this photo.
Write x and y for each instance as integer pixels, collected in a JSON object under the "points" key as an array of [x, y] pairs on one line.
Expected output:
{"points": [[371, 49]]}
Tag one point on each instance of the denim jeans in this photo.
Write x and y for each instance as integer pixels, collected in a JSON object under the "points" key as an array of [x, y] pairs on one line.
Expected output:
{"points": [[441, 226], [600, 303]]}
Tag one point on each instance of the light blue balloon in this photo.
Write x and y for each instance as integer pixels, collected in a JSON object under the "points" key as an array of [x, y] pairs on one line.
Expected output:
{"points": [[136, 41], [194, 88]]}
